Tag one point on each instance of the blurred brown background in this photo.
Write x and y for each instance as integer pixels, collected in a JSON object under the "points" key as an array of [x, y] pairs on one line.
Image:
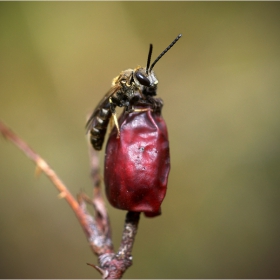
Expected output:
{"points": [[221, 87]]}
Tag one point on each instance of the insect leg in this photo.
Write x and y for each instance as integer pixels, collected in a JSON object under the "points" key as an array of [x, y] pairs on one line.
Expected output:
{"points": [[113, 110], [142, 110], [157, 104]]}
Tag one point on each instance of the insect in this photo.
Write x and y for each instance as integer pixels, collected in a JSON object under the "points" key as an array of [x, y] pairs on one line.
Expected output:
{"points": [[130, 87]]}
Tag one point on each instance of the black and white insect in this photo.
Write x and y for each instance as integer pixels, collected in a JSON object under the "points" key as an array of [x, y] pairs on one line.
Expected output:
{"points": [[130, 87]]}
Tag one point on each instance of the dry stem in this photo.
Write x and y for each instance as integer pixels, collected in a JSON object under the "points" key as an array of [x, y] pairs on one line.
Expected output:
{"points": [[97, 229]]}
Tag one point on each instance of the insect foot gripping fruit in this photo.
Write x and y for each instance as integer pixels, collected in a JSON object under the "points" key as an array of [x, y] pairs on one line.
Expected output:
{"points": [[137, 163]]}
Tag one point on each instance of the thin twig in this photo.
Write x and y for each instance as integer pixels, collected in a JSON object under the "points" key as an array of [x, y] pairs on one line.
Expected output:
{"points": [[129, 232], [98, 202], [84, 218], [97, 230], [116, 265]]}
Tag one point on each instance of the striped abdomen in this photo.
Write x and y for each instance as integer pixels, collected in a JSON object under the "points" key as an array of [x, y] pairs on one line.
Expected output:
{"points": [[97, 125]]}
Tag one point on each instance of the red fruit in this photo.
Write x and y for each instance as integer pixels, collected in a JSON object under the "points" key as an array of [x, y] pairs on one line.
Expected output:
{"points": [[137, 164]]}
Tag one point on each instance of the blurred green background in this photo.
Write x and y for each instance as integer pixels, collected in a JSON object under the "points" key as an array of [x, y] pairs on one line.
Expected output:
{"points": [[221, 87]]}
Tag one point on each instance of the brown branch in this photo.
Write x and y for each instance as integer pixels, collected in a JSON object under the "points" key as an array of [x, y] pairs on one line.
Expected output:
{"points": [[97, 229], [98, 202], [115, 265], [86, 221]]}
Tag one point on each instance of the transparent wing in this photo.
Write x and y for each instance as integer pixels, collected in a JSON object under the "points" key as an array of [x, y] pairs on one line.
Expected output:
{"points": [[103, 103]]}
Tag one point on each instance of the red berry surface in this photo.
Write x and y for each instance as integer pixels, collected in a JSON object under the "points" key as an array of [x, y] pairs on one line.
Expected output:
{"points": [[137, 163]]}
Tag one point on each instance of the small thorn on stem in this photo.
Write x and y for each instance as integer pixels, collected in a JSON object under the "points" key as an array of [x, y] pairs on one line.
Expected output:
{"points": [[62, 195], [100, 270]]}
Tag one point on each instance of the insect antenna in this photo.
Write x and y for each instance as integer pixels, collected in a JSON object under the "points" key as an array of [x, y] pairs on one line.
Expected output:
{"points": [[149, 58], [165, 51]]}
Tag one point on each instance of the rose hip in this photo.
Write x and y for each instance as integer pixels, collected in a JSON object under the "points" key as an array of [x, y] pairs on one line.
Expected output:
{"points": [[137, 163]]}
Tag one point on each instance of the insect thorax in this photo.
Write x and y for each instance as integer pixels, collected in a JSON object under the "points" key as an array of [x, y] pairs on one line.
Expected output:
{"points": [[137, 80], [123, 76]]}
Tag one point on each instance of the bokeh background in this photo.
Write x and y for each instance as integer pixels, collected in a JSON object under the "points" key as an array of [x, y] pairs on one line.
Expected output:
{"points": [[221, 87]]}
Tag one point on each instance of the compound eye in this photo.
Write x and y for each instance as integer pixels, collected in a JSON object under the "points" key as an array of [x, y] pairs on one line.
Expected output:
{"points": [[143, 80]]}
